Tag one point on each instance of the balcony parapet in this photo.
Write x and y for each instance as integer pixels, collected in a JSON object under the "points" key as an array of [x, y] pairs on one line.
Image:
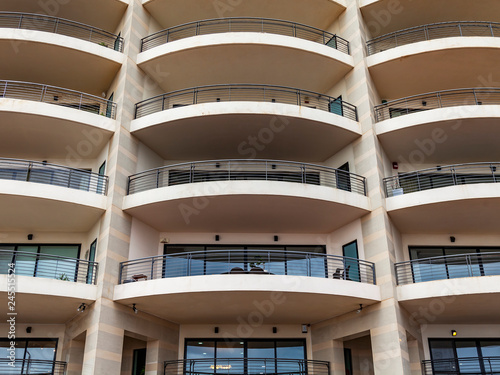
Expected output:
{"points": [[448, 267], [432, 31], [245, 24], [245, 92], [250, 262], [457, 366], [39, 22], [442, 176], [277, 366], [52, 174], [32, 366], [243, 169], [58, 96], [49, 267], [435, 100]]}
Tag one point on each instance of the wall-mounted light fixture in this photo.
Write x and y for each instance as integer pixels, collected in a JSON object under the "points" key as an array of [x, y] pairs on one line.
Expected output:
{"points": [[82, 307], [452, 239], [217, 237], [30, 237], [216, 329], [276, 238], [304, 328], [275, 329], [453, 332], [360, 308], [28, 329], [134, 309]]}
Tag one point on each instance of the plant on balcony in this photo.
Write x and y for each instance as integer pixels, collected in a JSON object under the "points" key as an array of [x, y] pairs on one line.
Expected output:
{"points": [[258, 261], [63, 277], [103, 44]]}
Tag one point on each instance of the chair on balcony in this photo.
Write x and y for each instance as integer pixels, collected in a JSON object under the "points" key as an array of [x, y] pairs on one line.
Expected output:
{"points": [[237, 270], [338, 274]]}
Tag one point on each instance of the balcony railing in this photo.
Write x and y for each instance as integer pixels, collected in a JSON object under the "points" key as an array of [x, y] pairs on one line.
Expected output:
{"points": [[246, 366], [52, 174], [432, 31], [243, 169], [58, 96], [251, 262], [448, 267], [459, 366], [438, 177], [438, 99], [245, 93], [32, 367], [48, 266], [40, 22], [239, 24]]}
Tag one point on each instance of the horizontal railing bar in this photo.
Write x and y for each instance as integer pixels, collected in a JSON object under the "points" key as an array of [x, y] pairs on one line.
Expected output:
{"points": [[323, 37], [442, 176], [58, 96], [53, 174], [33, 20], [234, 92], [437, 99], [396, 37]]}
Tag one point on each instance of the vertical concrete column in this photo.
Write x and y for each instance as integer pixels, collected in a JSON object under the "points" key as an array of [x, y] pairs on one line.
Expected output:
{"points": [[154, 358], [337, 366], [415, 353], [390, 350], [103, 350], [74, 357]]}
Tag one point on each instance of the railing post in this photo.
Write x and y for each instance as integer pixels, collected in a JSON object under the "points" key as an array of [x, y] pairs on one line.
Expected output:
{"points": [[69, 177], [157, 178], [308, 260], [90, 35], [191, 173], [475, 96], [229, 171], [189, 264], [491, 29], [120, 274], [460, 28], [20, 21], [28, 173], [56, 26], [42, 94], [493, 170], [468, 262], [454, 175], [81, 100], [152, 268], [5, 89]]}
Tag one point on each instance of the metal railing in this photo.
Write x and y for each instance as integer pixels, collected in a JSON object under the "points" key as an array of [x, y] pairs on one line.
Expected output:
{"points": [[246, 366], [259, 262], [245, 93], [438, 99], [49, 24], [448, 267], [58, 96], [432, 31], [246, 169], [32, 367], [442, 176], [458, 366], [245, 24], [52, 174], [49, 266]]}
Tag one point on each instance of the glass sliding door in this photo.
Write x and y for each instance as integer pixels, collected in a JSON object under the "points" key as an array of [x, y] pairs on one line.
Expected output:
{"points": [[351, 265]]}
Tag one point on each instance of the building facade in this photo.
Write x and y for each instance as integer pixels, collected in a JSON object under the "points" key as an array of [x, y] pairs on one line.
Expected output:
{"points": [[249, 187]]}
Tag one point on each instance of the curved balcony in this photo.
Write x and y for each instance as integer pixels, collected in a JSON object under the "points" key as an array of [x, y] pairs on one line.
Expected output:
{"points": [[294, 123], [253, 50], [43, 196], [245, 24], [385, 16], [277, 366], [433, 31], [426, 126], [447, 199], [246, 196], [173, 12], [46, 281], [210, 278], [62, 47], [36, 123], [32, 366], [467, 283], [434, 57], [103, 14]]}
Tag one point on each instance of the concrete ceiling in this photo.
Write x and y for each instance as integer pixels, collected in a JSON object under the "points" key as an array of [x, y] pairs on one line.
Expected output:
{"points": [[104, 14], [81, 67], [224, 58], [385, 16], [436, 65], [255, 211], [175, 12], [466, 134], [53, 132], [222, 130], [273, 304]]}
